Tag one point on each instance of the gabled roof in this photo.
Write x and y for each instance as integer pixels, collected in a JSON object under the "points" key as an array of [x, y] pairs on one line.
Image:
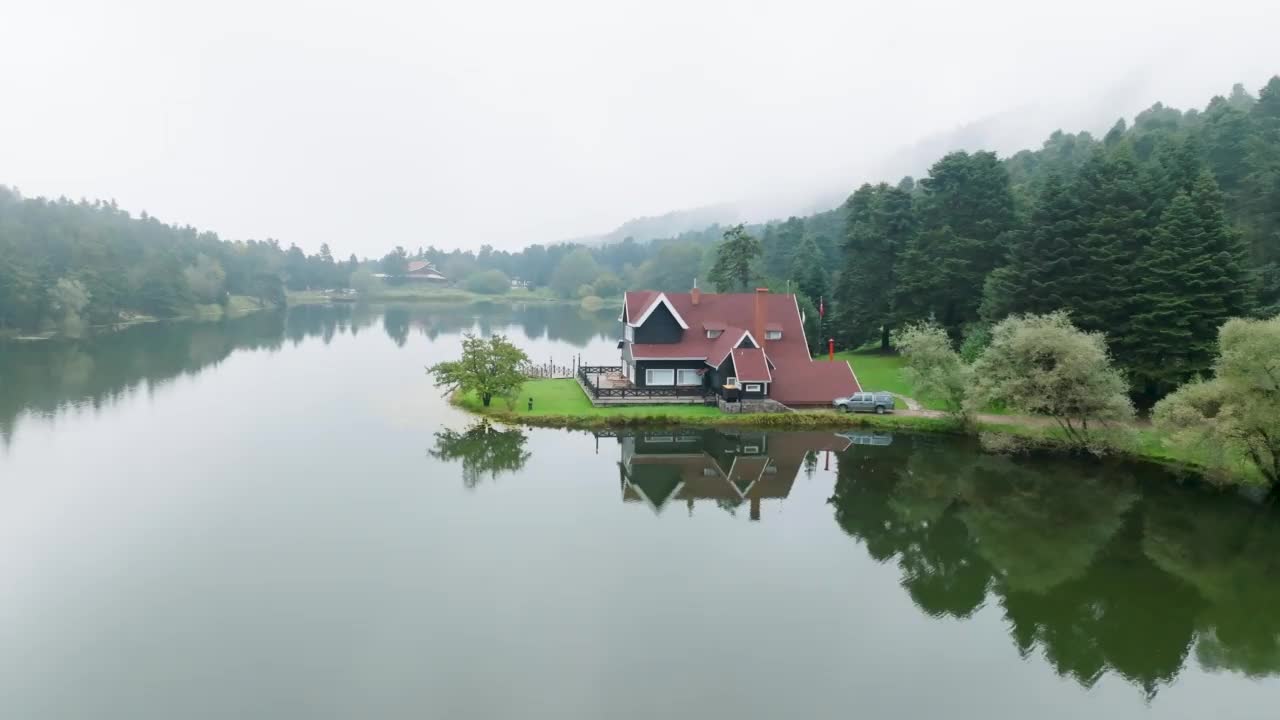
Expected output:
{"points": [[750, 365], [660, 299], [723, 345]]}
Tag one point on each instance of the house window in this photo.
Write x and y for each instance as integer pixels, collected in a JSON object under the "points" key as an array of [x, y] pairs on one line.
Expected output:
{"points": [[659, 377], [629, 334], [731, 382], [752, 387], [713, 334], [773, 335], [688, 377]]}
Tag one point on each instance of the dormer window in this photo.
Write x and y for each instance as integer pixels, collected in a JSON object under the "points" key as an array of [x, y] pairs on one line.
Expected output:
{"points": [[713, 334], [772, 334]]}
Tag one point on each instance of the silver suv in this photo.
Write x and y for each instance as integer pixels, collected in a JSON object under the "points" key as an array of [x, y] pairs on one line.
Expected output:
{"points": [[876, 402]]}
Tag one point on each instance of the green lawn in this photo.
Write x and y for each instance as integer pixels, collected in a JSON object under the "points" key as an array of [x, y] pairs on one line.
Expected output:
{"points": [[565, 397], [878, 371]]}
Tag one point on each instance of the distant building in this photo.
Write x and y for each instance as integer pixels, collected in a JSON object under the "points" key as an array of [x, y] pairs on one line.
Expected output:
{"points": [[423, 270], [418, 270]]}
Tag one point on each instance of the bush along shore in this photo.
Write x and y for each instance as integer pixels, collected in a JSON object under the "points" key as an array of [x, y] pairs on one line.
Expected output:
{"points": [[562, 404]]}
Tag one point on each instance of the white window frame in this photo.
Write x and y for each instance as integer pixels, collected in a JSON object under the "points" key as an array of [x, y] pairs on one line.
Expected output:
{"points": [[772, 334], [713, 334], [629, 333], [731, 381], [648, 377], [752, 387], [685, 373]]}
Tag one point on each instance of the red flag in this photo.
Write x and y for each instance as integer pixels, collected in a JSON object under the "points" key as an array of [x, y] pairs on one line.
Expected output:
{"points": [[822, 308]]}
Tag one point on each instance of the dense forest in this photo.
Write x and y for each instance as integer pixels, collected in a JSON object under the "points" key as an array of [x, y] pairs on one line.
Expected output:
{"points": [[65, 264], [1153, 234]]}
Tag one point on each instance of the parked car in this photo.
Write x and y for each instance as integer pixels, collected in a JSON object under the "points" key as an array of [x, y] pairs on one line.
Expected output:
{"points": [[876, 402]]}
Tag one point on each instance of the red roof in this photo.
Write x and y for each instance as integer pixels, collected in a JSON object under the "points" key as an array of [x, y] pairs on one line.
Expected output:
{"points": [[797, 378], [751, 366]]}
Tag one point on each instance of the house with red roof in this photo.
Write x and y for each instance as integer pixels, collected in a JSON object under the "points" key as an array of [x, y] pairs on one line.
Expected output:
{"points": [[736, 345]]}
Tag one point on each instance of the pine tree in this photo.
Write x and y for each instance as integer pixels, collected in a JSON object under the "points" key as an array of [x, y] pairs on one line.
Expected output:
{"points": [[808, 271], [968, 216], [1259, 205], [735, 254], [1036, 280], [881, 222], [1193, 279], [1098, 290]]}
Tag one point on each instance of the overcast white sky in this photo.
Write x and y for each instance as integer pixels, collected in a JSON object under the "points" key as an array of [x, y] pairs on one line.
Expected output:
{"points": [[375, 123]]}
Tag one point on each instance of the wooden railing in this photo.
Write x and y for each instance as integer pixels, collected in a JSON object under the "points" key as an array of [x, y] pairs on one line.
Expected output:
{"points": [[586, 372]]}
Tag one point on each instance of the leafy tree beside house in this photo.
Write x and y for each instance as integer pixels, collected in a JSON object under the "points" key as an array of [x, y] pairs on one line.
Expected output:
{"points": [[488, 367], [1043, 365]]}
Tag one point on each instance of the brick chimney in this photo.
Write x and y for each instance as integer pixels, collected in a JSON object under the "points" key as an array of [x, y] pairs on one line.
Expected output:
{"points": [[695, 295], [758, 330]]}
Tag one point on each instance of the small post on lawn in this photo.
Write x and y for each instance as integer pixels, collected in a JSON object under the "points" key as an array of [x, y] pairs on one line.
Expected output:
{"points": [[831, 349], [827, 466]]}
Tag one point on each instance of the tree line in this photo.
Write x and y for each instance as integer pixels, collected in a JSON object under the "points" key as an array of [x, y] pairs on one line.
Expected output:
{"points": [[66, 264], [1154, 235]]}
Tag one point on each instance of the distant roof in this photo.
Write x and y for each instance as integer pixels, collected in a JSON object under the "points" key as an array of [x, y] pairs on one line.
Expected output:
{"points": [[423, 268]]}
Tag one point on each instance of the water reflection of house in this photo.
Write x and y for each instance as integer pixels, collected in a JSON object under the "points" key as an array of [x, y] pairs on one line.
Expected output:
{"points": [[727, 468]]}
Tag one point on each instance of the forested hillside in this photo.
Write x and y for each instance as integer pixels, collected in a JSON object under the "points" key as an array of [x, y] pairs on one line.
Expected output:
{"points": [[1154, 234], [64, 265]]}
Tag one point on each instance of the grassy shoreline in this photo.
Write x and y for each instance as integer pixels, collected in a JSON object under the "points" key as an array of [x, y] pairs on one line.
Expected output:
{"points": [[562, 404]]}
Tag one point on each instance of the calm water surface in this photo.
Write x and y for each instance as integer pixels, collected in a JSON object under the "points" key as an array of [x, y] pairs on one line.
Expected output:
{"points": [[278, 517]]}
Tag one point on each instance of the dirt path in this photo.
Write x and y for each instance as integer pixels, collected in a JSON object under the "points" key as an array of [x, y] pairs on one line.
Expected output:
{"points": [[915, 409]]}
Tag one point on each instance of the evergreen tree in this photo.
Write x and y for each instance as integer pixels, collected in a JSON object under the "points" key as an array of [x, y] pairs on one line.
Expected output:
{"points": [[881, 221], [779, 246], [808, 271], [1041, 258], [967, 209], [732, 271], [1099, 284], [1193, 279]]}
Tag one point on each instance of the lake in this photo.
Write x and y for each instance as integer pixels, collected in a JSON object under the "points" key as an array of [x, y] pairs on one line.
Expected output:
{"points": [[279, 517]]}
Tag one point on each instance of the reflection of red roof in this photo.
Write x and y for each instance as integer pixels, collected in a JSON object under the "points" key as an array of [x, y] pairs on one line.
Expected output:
{"points": [[797, 378], [750, 366]]}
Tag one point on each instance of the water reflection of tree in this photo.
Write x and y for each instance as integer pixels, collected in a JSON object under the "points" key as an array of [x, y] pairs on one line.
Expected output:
{"points": [[483, 451], [1229, 554], [1085, 573], [47, 376]]}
